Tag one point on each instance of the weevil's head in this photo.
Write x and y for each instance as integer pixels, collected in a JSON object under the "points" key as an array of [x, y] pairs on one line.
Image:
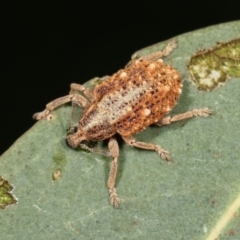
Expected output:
{"points": [[73, 140]]}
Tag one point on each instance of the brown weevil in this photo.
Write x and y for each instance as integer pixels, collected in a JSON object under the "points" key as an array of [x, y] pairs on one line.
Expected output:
{"points": [[126, 103]]}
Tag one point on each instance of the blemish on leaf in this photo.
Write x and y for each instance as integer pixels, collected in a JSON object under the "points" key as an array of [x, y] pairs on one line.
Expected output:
{"points": [[50, 117], [59, 159], [6, 197], [205, 228], [235, 214], [213, 202], [211, 68], [231, 232], [56, 174], [134, 224]]}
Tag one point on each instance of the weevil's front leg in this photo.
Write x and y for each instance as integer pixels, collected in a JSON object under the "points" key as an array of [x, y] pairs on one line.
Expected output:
{"points": [[150, 146], [114, 152], [74, 98], [204, 112], [95, 150]]}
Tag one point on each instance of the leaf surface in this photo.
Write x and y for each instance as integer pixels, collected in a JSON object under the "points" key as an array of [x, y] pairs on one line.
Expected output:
{"points": [[186, 199]]}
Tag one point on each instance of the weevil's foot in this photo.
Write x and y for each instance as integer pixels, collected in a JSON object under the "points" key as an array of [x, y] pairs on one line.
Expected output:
{"points": [[114, 199], [164, 154], [41, 115], [204, 112], [172, 44]]}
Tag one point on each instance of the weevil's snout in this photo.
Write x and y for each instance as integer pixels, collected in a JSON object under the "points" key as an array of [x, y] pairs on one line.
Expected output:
{"points": [[73, 140]]}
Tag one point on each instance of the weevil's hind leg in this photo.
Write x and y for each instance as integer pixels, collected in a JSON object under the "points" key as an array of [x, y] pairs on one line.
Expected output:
{"points": [[114, 152], [169, 48], [165, 155], [76, 98], [203, 112], [157, 55]]}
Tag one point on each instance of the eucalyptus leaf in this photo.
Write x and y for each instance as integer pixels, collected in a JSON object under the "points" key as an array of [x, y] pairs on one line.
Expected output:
{"points": [[62, 192]]}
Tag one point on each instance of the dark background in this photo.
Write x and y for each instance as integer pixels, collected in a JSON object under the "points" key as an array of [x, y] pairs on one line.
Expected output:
{"points": [[46, 47]]}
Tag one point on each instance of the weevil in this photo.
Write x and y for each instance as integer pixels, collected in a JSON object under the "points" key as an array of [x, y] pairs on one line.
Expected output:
{"points": [[126, 103]]}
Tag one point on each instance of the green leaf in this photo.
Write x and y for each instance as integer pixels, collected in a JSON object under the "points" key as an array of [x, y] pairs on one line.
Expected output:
{"points": [[62, 192]]}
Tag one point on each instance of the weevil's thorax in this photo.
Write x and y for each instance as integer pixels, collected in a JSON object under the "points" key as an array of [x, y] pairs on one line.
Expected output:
{"points": [[94, 124]]}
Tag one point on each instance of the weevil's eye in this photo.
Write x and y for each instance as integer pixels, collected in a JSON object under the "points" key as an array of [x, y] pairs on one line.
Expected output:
{"points": [[72, 129]]}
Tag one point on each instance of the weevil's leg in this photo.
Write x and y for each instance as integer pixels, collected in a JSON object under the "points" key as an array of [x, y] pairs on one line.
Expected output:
{"points": [[157, 55], [86, 91], [203, 112], [76, 98], [95, 150], [150, 146], [114, 152], [172, 44], [80, 101]]}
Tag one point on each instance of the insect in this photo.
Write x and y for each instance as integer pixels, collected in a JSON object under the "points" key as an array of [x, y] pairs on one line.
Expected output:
{"points": [[126, 103]]}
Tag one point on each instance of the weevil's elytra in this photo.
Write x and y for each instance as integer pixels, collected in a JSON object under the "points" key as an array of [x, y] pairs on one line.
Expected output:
{"points": [[126, 103], [129, 101]]}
